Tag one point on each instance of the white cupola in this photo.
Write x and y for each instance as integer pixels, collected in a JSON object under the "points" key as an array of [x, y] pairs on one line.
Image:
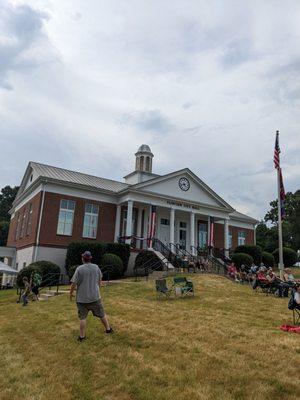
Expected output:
{"points": [[143, 159]]}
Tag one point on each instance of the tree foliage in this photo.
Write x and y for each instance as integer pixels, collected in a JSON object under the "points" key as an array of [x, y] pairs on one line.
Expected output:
{"points": [[267, 230], [7, 196]]}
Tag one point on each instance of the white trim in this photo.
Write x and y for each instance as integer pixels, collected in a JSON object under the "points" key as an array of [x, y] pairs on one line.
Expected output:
{"points": [[39, 224]]}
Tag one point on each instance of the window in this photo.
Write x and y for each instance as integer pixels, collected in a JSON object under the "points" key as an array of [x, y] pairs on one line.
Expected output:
{"points": [[66, 216], [23, 223], [229, 239], [202, 238], [182, 225], [18, 226], [164, 221], [90, 222], [29, 220], [241, 238], [148, 164]]}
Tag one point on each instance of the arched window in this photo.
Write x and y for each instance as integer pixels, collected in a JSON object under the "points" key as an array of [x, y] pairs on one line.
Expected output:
{"points": [[148, 164], [142, 163]]}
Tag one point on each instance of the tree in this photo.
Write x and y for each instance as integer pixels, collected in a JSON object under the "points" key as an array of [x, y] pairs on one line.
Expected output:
{"points": [[7, 196]]}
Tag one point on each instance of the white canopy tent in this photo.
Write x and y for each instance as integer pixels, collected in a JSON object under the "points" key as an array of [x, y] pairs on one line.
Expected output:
{"points": [[6, 269]]}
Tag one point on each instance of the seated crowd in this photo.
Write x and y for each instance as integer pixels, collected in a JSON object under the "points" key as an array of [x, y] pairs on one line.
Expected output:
{"points": [[265, 278]]}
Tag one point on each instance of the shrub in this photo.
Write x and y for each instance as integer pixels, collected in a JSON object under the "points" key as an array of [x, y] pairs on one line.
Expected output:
{"points": [[49, 271], [148, 258], [72, 270], [253, 251], [268, 259], [27, 271], [120, 249], [289, 256], [112, 265], [242, 258], [75, 249]]}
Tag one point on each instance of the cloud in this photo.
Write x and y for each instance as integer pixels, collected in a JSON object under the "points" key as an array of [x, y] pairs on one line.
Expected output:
{"points": [[205, 86], [22, 30]]}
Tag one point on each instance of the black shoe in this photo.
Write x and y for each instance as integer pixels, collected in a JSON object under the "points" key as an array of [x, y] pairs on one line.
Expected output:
{"points": [[110, 330], [81, 339]]}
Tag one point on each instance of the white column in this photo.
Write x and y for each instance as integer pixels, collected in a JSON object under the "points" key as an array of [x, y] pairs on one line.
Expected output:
{"points": [[146, 216], [117, 224], [226, 237], [192, 232], [172, 226], [208, 230], [129, 220], [139, 225]]}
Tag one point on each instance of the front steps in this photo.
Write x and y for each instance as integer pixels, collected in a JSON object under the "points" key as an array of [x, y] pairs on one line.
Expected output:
{"points": [[167, 263]]}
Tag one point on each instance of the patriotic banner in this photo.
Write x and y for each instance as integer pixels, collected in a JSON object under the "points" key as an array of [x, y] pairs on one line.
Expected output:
{"points": [[152, 225], [277, 152], [211, 237]]}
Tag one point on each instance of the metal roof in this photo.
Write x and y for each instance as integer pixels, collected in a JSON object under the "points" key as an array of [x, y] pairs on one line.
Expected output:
{"points": [[80, 178]]}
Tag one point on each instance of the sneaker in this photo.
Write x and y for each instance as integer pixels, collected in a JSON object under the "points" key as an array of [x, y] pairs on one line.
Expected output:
{"points": [[110, 330], [81, 339]]}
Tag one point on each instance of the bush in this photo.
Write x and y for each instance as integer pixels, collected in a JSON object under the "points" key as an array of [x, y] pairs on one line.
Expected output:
{"points": [[268, 259], [120, 249], [253, 251], [72, 271], [111, 265], [289, 256], [75, 249], [242, 258], [148, 258], [27, 271], [49, 272]]}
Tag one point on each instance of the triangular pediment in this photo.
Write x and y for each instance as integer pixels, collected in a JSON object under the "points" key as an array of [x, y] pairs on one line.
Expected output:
{"points": [[185, 185]]}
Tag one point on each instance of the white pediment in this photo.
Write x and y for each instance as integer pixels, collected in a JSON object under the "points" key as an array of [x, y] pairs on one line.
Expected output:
{"points": [[195, 191]]}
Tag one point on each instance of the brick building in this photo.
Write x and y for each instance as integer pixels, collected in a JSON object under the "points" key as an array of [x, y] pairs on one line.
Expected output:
{"points": [[55, 206]]}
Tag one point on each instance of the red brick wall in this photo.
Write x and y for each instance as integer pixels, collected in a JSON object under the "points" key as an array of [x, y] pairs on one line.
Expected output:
{"points": [[48, 235], [219, 236], [28, 239]]}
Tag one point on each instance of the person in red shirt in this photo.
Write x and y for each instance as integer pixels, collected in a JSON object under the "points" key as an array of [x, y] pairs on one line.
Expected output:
{"points": [[262, 277], [232, 271]]}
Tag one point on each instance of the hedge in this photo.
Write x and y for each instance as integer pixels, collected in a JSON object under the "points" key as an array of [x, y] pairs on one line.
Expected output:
{"points": [[120, 249], [76, 249], [49, 271], [289, 256], [253, 251], [242, 258], [111, 266], [268, 259], [72, 270], [148, 258]]}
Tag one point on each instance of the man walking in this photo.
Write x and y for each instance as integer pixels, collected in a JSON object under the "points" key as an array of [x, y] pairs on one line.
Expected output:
{"points": [[87, 279]]}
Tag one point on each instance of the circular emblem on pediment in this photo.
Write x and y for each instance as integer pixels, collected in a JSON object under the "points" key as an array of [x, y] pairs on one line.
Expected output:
{"points": [[184, 184]]}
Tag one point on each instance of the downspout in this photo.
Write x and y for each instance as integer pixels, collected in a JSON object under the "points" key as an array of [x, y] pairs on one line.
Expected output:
{"points": [[39, 224]]}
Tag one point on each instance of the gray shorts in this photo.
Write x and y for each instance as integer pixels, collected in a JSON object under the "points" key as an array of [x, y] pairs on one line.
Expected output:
{"points": [[96, 307]]}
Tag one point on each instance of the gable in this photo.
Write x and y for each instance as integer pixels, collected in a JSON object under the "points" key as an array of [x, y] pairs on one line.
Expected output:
{"points": [[198, 192]]}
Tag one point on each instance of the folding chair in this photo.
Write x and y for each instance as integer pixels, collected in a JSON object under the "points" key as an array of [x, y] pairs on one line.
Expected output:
{"points": [[296, 316], [162, 291], [186, 287]]}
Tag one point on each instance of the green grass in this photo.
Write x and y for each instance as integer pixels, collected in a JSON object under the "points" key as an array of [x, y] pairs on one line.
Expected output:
{"points": [[224, 343]]}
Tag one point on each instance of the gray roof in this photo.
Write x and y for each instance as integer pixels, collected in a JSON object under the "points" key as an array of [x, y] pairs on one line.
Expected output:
{"points": [[66, 175], [240, 216], [144, 148]]}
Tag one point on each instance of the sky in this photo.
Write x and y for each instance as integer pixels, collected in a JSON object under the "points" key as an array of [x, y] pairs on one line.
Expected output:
{"points": [[205, 84]]}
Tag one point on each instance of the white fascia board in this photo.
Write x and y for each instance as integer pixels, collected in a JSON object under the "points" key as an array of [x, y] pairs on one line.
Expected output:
{"points": [[81, 193], [239, 224], [177, 204], [27, 198]]}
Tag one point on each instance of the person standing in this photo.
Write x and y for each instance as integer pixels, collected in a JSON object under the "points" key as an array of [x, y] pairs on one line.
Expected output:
{"points": [[36, 281], [86, 281], [26, 291]]}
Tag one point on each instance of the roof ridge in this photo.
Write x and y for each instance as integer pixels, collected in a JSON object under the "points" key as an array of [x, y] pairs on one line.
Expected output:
{"points": [[77, 172]]}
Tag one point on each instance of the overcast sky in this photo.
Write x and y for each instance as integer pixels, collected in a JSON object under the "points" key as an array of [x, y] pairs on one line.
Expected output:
{"points": [[205, 83]]}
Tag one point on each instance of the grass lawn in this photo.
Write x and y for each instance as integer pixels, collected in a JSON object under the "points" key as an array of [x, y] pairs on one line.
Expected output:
{"points": [[224, 343]]}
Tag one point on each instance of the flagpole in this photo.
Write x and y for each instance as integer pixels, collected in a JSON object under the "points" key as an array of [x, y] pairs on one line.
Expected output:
{"points": [[280, 265]]}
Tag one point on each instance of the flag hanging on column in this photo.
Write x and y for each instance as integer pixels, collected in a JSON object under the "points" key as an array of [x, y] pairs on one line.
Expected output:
{"points": [[277, 166], [152, 225], [211, 237]]}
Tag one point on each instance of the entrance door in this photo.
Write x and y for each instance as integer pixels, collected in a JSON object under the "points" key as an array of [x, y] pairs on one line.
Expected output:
{"points": [[164, 230], [202, 235], [182, 235]]}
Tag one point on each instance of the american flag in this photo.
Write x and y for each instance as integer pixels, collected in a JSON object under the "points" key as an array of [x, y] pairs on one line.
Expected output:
{"points": [[277, 152], [211, 237], [152, 224]]}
